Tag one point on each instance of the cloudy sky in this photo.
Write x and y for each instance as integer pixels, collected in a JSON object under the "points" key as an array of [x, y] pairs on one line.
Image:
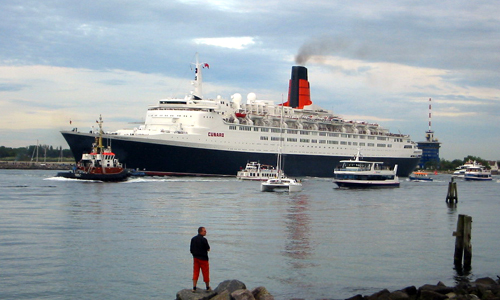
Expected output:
{"points": [[377, 61]]}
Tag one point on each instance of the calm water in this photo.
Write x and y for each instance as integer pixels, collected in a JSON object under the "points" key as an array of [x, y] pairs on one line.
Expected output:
{"points": [[63, 239]]}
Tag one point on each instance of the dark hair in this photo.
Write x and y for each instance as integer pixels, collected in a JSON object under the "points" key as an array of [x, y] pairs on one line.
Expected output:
{"points": [[200, 229]]}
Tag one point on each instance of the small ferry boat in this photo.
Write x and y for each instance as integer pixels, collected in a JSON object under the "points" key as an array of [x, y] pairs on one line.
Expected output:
{"points": [[477, 172], [257, 171], [355, 173], [419, 176], [100, 164]]}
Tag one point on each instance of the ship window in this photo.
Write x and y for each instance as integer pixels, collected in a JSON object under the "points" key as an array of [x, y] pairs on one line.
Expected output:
{"points": [[264, 138], [343, 143], [354, 143], [292, 131], [291, 140], [381, 145], [371, 145], [232, 127], [322, 141], [304, 132], [333, 142], [322, 134], [264, 129], [304, 140], [371, 137], [333, 134], [314, 141], [362, 144], [389, 145], [408, 147]]}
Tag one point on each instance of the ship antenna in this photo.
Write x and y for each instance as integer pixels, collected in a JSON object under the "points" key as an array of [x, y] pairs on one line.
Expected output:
{"points": [[198, 79], [430, 134]]}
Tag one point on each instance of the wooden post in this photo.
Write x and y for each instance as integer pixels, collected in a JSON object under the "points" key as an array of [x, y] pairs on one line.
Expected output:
{"points": [[467, 242], [459, 241], [463, 246], [452, 195]]}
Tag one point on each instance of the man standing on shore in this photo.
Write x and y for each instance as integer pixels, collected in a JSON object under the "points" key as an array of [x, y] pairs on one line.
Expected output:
{"points": [[199, 249]]}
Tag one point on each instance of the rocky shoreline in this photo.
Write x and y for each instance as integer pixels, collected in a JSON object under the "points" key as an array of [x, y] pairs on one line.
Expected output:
{"points": [[482, 289]]}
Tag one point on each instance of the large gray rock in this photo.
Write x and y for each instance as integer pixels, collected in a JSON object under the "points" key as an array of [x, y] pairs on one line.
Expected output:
{"points": [[230, 286], [261, 293], [399, 295], [200, 294], [242, 295], [381, 295], [431, 295], [438, 288], [225, 295]]}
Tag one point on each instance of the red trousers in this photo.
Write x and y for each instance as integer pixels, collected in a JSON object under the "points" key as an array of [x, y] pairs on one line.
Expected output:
{"points": [[205, 269]]}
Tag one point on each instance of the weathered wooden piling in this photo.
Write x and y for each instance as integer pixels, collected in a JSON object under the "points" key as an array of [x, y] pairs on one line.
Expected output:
{"points": [[463, 246], [452, 196]]}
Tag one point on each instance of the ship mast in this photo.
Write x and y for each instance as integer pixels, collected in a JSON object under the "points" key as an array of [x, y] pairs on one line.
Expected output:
{"points": [[198, 79], [97, 146]]}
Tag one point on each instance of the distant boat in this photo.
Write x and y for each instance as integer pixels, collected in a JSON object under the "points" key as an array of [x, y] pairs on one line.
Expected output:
{"points": [[355, 173], [257, 171], [100, 164], [419, 176], [477, 172]]}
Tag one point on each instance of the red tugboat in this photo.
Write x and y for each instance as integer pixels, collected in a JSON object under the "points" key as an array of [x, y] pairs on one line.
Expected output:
{"points": [[101, 164]]}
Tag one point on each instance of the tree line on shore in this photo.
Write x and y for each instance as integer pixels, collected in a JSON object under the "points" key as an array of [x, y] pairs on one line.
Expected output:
{"points": [[34, 152], [447, 165]]}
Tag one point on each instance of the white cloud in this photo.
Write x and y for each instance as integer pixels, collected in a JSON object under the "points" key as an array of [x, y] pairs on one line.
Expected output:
{"points": [[238, 43]]}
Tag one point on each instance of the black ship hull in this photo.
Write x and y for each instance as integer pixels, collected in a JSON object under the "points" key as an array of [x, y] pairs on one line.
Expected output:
{"points": [[163, 159], [98, 177]]}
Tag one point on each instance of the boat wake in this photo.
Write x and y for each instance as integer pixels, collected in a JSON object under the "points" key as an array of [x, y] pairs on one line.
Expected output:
{"points": [[56, 178]]}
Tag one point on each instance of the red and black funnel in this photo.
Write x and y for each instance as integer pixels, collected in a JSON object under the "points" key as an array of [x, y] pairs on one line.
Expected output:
{"points": [[298, 90]]}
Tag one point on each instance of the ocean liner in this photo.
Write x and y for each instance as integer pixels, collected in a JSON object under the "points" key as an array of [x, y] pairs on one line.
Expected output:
{"points": [[197, 136]]}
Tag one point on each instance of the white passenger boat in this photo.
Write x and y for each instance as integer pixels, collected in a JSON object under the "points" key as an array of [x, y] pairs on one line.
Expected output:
{"points": [[257, 171], [460, 170], [356, 173], [477, 172], [198, 136]]}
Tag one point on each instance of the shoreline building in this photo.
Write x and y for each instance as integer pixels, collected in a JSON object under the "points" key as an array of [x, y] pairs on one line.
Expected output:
{"points": [[430, 147]]}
